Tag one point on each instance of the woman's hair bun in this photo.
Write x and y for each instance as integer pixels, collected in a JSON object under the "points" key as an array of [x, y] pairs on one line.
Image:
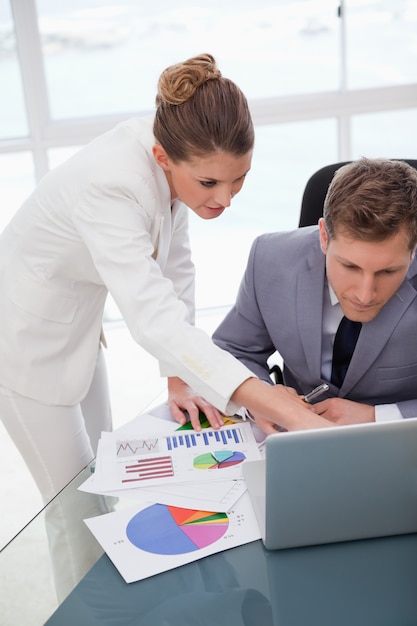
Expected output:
{"points": [[199, 112], [178, 83]]}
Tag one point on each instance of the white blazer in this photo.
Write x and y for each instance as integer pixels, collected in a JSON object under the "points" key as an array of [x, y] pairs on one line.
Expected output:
{"points": [[103, 222]]}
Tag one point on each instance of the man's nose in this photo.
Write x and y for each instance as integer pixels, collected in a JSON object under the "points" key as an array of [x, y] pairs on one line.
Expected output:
{"points": [[365, 289]]}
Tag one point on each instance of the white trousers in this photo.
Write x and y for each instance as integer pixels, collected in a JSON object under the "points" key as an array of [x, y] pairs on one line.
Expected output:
{"points": [[56, 443]]}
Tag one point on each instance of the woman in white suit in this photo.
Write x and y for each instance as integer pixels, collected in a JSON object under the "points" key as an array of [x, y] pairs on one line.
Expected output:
{"points": [[114, 219]]}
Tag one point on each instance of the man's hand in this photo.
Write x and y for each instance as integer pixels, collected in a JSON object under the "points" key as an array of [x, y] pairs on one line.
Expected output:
{"points": [[342, 412], [278, 408], [182, 398]]}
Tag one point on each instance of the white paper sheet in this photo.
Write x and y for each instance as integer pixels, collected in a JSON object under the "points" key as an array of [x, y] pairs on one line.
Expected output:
{"points": [[217, 495], [151, 538], [182, 456]]}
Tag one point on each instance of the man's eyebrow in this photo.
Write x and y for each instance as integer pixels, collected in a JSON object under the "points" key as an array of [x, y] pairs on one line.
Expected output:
{"points": [[342, 259], [390, 268]]}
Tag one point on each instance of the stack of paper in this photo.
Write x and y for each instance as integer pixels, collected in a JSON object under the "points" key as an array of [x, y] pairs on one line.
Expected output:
{"points": [[193, 500]]}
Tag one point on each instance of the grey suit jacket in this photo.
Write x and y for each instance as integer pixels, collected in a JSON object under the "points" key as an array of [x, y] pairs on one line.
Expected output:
{"points": [[280, 308]]}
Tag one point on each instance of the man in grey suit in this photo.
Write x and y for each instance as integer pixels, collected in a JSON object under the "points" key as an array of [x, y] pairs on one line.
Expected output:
{"points": [[357, 264]]}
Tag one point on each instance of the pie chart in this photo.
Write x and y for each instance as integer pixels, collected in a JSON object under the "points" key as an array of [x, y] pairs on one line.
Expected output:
{"points": [[218, 460], [163, 529]]}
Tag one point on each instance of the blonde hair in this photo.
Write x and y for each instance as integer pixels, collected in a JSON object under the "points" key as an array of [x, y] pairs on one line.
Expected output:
{"points": [[198, 111]]}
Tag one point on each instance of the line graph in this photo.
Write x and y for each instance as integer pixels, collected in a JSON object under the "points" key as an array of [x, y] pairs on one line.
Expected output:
{"points": [[136, 447]]}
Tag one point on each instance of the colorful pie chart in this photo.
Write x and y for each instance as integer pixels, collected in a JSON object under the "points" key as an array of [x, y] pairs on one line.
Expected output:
{"points": [[218, 460], [162, 529]]}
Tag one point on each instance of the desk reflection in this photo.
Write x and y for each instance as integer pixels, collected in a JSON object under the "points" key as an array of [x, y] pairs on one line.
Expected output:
{"points": [[360, 583]]}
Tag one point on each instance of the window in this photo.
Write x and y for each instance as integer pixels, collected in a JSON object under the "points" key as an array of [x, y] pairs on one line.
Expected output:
{"points": [[381, 43], [327, 80], [390, 133], [13, 122], [113, 53]]}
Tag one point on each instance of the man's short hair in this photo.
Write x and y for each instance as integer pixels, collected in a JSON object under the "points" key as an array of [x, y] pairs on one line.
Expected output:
{"points": [[372, 199]]}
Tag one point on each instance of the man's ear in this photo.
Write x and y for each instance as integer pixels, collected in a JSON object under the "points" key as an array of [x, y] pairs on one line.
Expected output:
{"points": [[161, 156], [324, 237]]}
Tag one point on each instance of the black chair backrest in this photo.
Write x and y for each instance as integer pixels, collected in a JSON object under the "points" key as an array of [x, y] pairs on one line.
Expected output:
{"points": [[316, 189]]}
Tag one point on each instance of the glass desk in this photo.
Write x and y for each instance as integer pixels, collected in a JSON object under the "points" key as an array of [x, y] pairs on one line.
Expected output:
{"points": [[360, 583]]}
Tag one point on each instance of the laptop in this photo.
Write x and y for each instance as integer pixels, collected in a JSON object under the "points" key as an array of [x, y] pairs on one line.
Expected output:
{"points": [[335, 484]]}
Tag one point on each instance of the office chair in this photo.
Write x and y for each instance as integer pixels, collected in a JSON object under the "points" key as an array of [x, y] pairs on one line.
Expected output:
{"points": [[316, 189], [312, 210]]}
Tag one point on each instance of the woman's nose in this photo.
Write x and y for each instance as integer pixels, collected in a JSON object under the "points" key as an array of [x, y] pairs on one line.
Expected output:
{"points": [[224, 196]]}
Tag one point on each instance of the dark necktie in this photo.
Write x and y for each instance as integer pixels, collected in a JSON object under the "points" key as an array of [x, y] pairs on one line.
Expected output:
{"points": [[343, 347]]}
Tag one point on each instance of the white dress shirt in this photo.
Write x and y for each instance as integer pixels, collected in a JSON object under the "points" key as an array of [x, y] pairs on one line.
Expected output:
{"points": [[332, 315]]}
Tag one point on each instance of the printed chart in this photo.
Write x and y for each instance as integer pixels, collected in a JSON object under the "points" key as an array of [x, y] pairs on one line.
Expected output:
{"points": [[220, 459], [145, 469], [147, 539], [135, 447], [161, 529], [206, 438], [177, 457]]}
